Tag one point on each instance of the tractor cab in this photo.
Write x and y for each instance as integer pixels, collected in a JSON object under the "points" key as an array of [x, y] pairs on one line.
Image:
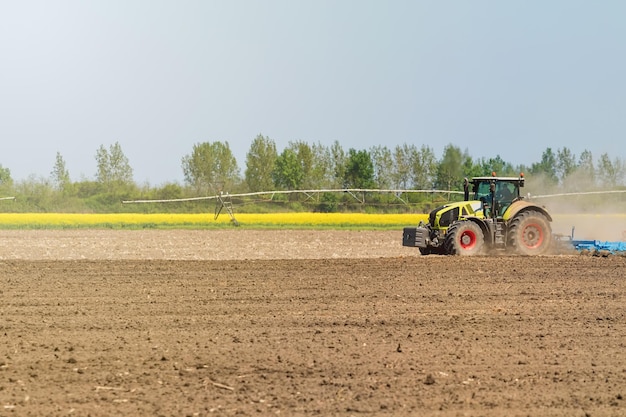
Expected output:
{"points": [[495, 193]]}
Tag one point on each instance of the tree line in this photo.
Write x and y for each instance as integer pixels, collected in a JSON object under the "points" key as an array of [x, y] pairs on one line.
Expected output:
{"points": [[211, 167], [304, 166]]}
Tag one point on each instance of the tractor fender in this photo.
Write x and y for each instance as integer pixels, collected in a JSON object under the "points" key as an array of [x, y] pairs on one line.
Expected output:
{"points": [[519, 206]]}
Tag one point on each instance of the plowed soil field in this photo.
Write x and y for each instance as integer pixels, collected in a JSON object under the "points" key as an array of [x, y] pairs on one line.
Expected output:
{"points": [[197, 323]]}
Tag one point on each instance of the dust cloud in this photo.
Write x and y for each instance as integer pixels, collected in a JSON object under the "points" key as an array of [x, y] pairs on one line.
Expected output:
{"points": [[594, 217], [599, 216], [607, 227]]}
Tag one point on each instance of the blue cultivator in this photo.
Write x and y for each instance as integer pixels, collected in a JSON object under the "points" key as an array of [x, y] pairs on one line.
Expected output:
{"points": [[597, 245], [593, 246]]}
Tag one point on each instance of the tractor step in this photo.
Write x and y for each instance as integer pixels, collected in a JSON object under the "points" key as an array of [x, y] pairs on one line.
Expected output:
{"points": [[499, 235]]}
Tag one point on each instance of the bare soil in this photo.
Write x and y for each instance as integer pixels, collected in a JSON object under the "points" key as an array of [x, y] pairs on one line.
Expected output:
{"points": [[197, 323]]}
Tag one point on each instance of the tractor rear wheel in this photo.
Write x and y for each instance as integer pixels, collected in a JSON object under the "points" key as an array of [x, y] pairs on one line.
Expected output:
{"points": [[530, 233], [464, 238]]}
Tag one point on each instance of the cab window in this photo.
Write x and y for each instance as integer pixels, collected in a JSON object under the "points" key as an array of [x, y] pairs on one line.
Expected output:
{"points": [[482, 190]]}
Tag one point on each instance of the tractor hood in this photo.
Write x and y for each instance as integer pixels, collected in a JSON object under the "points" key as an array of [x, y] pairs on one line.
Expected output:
{"points": [[443, 216]]}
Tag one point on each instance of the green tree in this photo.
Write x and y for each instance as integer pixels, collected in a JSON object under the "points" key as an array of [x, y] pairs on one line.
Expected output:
{"points": [[338, 164], [497, 165], [288, 173], [471, 168], [321, 174], [403, 156], [260, 161], [60, 175], [113, 167], [423, 168], [546, 168], [210, 167], [5, 177], [359, 170], [103, 174], [120, 166], [585, 171], [565, 163], [305, 157], [301, 166], [610, 172], [382, 159], [450, 169], [168, 191]]}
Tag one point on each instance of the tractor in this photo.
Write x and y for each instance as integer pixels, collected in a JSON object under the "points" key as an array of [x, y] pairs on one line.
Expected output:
{"points": [[496, 217]]}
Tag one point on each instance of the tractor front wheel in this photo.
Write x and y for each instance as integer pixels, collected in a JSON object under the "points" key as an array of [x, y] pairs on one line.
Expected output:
{"points": [[439, 250], [426, 251], [530, 233], [464, 238]]}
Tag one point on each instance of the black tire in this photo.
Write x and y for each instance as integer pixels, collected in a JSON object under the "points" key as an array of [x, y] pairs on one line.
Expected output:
{"points": [[530, 233], [426, 251], [464, 238], [432, 251]]}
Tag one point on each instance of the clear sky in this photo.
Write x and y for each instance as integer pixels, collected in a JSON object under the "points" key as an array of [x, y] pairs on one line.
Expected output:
{"points": [[493, 77]]}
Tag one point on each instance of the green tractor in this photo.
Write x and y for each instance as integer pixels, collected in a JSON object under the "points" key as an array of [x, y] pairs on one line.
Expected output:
{"points": [[496, 217]]}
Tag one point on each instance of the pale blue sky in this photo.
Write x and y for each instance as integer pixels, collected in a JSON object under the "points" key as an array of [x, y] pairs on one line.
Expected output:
{"points": [[494, 77]]}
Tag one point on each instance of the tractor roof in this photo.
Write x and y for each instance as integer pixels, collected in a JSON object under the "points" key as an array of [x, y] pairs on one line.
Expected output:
{"points": [[505, 179]]}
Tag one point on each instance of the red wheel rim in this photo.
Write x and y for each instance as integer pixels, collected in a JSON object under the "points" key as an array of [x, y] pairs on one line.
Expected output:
{"points": [[532, 236], [467, 239]]}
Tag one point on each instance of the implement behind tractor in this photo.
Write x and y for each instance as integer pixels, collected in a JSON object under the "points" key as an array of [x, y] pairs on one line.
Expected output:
{"points": [[496, 217]]}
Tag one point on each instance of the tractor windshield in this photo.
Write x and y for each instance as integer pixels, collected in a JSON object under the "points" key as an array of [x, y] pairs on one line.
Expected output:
{"points": [[505, 193], [481, 191]]}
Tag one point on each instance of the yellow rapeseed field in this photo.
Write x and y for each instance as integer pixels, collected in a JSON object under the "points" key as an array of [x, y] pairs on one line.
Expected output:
{"points": [[206, 220]]}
